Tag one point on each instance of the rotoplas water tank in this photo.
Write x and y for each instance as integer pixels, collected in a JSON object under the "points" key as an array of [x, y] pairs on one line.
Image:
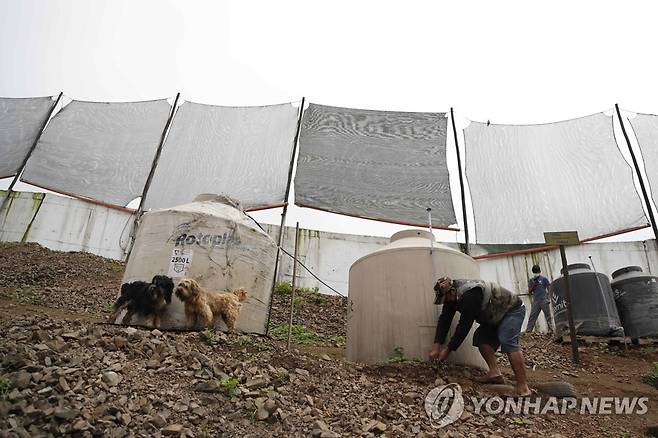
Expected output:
{"points": [[592, 303], [391, 299], [212, 241], [636, 295]]}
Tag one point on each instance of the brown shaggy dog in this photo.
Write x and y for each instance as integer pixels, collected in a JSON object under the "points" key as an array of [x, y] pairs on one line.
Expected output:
{"points": [[204, 305]]}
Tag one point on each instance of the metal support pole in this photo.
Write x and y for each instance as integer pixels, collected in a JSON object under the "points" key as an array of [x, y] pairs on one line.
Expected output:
{"points": [[567, 289], [461, 181], [645, 195], [294, 285], [429, 219], [284, 213], [10, 189], [147, 185]]}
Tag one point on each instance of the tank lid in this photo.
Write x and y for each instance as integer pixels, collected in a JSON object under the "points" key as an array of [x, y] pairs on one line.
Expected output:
{"points": [[405, 234], [221, 198], [576, 267], [626, 270]]}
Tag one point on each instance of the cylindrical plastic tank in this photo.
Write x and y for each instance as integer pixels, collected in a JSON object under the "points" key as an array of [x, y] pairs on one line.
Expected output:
{"points": [[636, 294], [592, 301], [391, 299], [212, 241]]}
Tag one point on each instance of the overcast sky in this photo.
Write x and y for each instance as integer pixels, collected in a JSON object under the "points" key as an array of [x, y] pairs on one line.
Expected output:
{"points": [[509, 62]]}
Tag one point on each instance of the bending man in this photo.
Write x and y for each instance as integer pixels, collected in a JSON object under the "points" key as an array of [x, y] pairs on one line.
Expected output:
{"points": [[500, 314]]}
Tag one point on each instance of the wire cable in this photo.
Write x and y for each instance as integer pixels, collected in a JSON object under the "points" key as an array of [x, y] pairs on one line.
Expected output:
{"points": [[298, 261]]}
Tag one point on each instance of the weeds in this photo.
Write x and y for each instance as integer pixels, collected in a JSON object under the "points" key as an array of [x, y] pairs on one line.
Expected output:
{"points": [[652, 377], [208, 336], [281, 378], [300, 334], [5, 386], [109, 308], [399, 357], [230, 386]]}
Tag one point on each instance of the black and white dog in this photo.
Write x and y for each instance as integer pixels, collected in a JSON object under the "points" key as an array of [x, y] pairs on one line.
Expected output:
{"points": [[146, 299]]}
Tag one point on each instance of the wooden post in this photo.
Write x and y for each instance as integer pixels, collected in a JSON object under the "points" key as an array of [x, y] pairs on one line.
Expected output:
{"points": [[645, 195], [567, 293], [461, 181], [284, 213], [10, 189], [294, 284]]}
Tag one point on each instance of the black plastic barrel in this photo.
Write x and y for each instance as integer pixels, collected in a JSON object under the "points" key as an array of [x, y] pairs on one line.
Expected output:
{"points": [[592, 303], [636, 294]]}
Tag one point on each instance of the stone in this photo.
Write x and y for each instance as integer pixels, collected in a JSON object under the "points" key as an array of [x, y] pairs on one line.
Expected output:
{"points": [[157, 333], [270, 406], [65, 414], [208, 386], [262, 414], [255, 383], [22, 380], [80, 425], [410, 398], [130, 331], [302, 372], [172, 429], [111, 378], [325, 356], [319, 424], [63, 384]]}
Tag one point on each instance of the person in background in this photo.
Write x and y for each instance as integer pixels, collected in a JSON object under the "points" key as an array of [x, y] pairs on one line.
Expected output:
{"points": [[538, 290], [500, 314]]}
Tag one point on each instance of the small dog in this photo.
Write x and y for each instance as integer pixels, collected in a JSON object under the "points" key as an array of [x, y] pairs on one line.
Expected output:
{"points": [[205, 305], [147, 299]]}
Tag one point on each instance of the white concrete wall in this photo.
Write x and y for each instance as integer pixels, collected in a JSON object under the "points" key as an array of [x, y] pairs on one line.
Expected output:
{"points": [[65, 224]]}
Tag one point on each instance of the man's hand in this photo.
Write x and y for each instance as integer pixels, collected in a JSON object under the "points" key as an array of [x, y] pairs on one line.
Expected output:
{"points": [[443, 354]]}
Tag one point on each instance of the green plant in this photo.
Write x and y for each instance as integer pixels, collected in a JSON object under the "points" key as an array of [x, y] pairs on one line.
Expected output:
{"points": [[298, 301], [300, 334], [282, 378], [652, 377], [108, 308], [282, 288], [338, 340], [207, 336], [230, 386], [5, 386], [398, 356]]}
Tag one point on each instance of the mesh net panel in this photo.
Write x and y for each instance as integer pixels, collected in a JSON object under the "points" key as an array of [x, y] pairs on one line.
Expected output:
{"points": [[20, 122], [646, 132], [374, 164], [243, 152], [101, 151], [564, 176]]}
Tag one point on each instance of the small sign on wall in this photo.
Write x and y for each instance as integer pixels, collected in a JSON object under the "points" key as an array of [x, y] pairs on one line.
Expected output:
{"points": [[562, 238], [181, 260]]}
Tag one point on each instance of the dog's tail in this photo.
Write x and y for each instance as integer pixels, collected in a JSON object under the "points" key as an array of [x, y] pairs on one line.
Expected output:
{"points": [[125, 296]]}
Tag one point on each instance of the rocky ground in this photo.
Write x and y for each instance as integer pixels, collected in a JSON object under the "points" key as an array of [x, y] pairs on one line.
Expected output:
{"points": [[64, 371]]}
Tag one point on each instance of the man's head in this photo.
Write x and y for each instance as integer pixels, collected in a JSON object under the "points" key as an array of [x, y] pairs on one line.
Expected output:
{"points": [[536, 269], [445, 291]]}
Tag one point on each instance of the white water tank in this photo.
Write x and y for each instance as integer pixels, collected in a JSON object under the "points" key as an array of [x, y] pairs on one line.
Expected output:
{"points": [[212, 241], [391, 300]]}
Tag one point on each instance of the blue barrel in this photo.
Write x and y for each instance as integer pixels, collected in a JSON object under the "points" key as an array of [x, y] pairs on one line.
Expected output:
{"points": [[592, 302], [636, 294]]}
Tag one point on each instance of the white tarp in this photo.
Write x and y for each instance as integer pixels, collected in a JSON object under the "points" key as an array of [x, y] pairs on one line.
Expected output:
{"points": [[646, 132], [564, 176], [243, 152], [20, 123], [100, 151], [374, 164]]}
